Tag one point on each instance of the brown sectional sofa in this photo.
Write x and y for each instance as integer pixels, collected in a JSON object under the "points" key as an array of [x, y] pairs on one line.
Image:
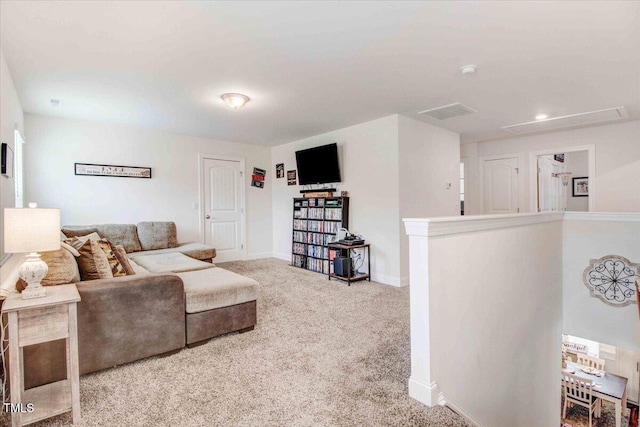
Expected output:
{"points": [[124, 319]]}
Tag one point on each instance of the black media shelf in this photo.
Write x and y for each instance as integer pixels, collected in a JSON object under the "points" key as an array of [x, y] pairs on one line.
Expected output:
{"points": [[315, 221]]}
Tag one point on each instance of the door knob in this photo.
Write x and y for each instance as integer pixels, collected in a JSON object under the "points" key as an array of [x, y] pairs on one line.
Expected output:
{"points": [[208, 217]]}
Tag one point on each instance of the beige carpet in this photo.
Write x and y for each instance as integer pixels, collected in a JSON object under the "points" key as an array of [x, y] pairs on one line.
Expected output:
{"points": [[322, 354]]}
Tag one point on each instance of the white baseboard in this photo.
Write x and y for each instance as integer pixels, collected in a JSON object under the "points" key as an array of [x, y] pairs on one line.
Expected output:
{"points": [[445, 401], [259, 255], [404, 281], [387, 280], [426, 394], [282, 256]]}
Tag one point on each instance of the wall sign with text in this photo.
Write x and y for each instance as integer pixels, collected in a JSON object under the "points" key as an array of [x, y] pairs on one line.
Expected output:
{"points": [[89, 169]]}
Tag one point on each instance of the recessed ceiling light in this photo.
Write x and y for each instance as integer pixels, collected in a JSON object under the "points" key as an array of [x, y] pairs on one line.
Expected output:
{"points": [[235, 100], [55, 102], [468, 69], [542, 117]]}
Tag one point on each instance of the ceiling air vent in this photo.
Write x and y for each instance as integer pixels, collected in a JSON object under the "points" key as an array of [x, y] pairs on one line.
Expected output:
{"points": [[448, 111], [574, 120]]}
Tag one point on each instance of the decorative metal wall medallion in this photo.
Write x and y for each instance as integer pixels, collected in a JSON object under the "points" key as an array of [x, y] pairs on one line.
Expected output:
{"points": [[612, 279]]}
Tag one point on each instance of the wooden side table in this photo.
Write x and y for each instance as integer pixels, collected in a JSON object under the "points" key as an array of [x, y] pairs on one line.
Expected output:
{"points": [[34, 321]]}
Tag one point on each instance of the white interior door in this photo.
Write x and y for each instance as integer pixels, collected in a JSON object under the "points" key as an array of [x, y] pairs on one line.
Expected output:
{"points": [[223, 208], [552, 195], [629, 367], [501, 195]]}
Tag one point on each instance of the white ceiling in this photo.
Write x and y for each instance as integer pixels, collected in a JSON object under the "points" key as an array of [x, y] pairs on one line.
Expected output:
{"points": [[315, 67]]}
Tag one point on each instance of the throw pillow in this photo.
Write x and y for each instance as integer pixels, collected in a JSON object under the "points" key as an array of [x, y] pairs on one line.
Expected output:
{"points": [[121, 254], [77, 242], [77, 232], [62, 266], [114, 263], [93, 262], [70, 248]]}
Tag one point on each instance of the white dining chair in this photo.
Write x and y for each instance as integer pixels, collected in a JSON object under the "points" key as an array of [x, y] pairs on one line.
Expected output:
{"points": [[579, 391], [592, 362]]}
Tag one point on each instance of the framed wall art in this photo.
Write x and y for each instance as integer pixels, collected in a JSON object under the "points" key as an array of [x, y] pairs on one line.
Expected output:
{"points": [[89, 169], [580, 187]]}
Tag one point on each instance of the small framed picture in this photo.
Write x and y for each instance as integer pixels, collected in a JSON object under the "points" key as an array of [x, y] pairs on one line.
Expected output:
{"points": [[280, 170], [291, 177], [559, 158], [580, 187]]}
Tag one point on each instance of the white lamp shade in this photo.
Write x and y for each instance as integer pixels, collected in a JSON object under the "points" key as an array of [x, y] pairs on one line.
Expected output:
{"points": [[31, 230]]}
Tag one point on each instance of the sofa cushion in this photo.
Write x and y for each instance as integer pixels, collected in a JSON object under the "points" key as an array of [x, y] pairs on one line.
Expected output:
{"points": [[216, 287], [121, 234], [93, 262], [172, 262], [157, 235], [193, 250]]}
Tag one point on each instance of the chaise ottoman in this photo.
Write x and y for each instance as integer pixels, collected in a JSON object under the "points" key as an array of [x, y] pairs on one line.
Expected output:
{"points": [[217, 301]]}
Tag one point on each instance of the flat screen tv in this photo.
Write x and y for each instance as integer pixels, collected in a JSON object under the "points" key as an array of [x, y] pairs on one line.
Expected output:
{"points": [[318, 165]]}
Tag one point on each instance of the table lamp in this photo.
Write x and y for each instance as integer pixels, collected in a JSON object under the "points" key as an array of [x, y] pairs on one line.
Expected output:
{"points": [[32, 230]]}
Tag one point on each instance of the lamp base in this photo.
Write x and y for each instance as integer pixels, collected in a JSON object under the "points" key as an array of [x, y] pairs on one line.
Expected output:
{"points": [[32, 271], [32, 292]]}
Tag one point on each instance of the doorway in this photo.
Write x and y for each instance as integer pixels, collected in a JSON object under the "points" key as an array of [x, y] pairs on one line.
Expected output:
{"points": [[560, 179], [552, 183], [222, 201]]}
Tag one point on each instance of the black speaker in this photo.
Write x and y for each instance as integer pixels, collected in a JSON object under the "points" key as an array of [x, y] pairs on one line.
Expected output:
{"points": [[341, 266]]}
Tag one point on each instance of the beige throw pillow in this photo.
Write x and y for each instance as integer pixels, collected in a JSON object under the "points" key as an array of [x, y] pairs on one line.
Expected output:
{"points": [[77, 242], [93, 262], [70, 248]]}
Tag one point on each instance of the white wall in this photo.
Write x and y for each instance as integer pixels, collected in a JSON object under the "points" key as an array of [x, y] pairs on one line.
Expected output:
{"points": [[11, 118], [494, 323], [369, 166], [591, 236], [617, 160], [392, 167], [576, 162], [54, 145], [429, 159]]}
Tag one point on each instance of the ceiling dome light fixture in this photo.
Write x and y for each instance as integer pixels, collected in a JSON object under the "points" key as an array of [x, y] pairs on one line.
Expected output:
{"points": [[235, 100], [468, 69], [542, 117]]}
